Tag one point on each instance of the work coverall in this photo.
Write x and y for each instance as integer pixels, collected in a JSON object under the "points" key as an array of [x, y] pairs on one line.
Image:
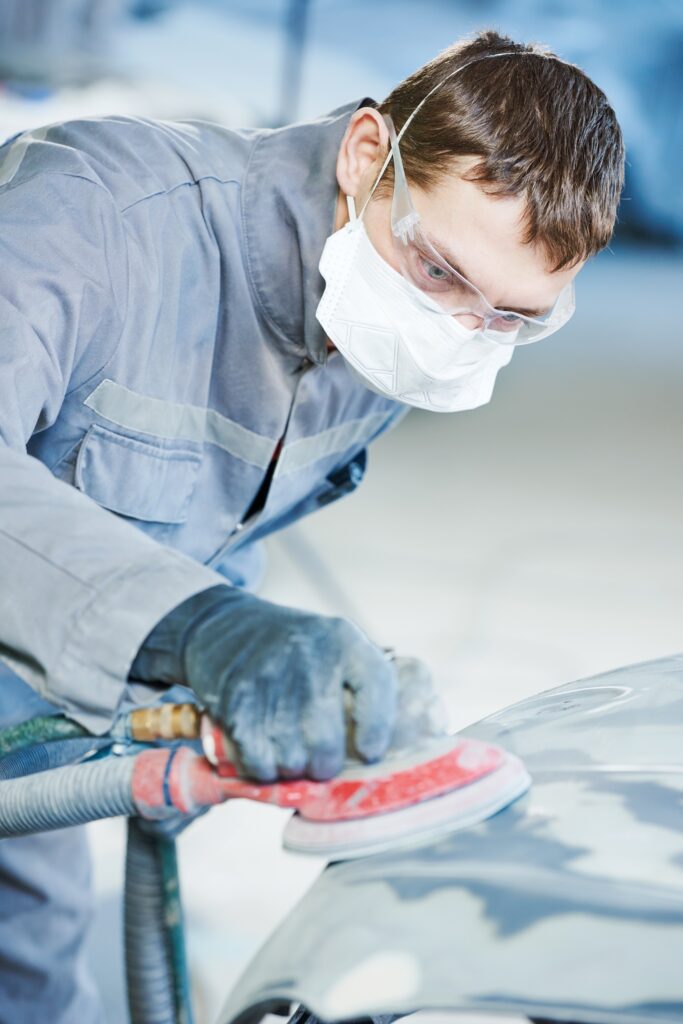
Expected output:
{"points": [[158, 287]]}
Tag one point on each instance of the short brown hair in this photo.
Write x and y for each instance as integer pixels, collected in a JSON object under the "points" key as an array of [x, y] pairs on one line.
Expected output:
{"points": [[541, 127]]}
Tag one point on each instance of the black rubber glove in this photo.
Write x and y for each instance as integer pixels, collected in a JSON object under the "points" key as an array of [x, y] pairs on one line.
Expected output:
{"points": [[280, 681]]}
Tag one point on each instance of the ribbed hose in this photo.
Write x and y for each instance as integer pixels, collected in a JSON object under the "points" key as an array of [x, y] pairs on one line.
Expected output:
{"points": [[156, 973], [67, 796], [36, 796], [43, 756], [173, 918]]}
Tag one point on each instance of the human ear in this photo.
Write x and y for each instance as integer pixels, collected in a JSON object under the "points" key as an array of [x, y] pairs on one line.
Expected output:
{"points": [[363, 147]]}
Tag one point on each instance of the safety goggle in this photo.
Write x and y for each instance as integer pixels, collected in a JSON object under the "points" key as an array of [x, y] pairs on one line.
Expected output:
{"points": [[444, 288]]}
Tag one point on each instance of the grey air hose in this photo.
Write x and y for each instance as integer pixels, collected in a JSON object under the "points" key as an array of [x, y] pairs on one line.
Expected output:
{"points": [[36, 797], [72, 795], [156, 972]]}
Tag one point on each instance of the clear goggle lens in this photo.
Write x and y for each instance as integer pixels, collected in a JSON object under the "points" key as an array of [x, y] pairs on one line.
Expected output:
{"points": [[442, 287]]}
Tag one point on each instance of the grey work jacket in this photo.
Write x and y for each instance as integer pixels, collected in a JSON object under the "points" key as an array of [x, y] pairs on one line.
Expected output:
{"points": [[158, 287]]}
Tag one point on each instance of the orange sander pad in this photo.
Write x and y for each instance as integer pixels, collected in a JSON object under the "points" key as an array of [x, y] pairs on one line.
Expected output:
{"points": [[449, 783]]}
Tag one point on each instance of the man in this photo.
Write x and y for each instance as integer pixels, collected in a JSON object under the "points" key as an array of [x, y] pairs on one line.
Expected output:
{"points": [[201, 332]]}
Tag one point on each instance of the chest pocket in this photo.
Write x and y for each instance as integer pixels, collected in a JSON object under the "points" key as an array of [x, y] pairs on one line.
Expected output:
{"points": [[144, 480]]}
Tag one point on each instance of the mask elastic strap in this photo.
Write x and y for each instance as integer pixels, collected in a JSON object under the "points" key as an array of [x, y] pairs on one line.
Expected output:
{"points": [[377, 181]]}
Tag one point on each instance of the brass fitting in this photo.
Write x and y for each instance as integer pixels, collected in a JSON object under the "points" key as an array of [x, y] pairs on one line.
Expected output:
{"points": [[165, 722]]}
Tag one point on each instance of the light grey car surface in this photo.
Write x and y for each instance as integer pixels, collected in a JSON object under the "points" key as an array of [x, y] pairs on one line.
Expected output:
{"points": [[567, 905]]}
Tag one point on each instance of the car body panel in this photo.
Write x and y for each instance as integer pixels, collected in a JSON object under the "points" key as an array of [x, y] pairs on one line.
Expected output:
{"points": [[566, 905]]}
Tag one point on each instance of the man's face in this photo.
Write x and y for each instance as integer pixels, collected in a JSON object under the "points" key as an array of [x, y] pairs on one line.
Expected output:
{"points": [[480, 234]]}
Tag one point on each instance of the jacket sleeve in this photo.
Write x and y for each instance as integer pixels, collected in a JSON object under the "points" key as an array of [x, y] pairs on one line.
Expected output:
{"points": [[80, 589]]}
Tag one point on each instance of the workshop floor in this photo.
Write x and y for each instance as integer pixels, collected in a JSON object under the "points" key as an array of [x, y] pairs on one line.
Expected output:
{"points": [[524, 545]]}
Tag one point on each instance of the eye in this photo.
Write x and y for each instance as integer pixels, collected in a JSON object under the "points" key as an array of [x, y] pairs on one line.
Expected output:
{"points": [[506, 322], [434, 272]]}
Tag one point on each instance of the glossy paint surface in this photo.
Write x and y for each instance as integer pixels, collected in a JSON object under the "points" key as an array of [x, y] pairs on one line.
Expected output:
{"points": [[568, 904]]}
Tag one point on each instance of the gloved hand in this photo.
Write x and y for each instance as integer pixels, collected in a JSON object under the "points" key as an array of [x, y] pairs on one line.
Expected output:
{"points": [[276, 678]]}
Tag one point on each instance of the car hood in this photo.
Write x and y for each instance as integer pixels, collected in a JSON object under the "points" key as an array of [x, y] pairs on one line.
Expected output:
{"points": [[568, 904]]}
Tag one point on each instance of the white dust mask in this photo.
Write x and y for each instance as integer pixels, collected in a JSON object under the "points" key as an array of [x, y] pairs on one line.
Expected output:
{"points": [[398, 344]]}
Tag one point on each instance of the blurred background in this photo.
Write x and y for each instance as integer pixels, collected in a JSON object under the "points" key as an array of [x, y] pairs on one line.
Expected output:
{"points": [[520, 546]]}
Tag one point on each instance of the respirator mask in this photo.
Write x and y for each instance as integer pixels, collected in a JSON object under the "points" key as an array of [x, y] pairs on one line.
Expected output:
{"points": [[401, 328]]}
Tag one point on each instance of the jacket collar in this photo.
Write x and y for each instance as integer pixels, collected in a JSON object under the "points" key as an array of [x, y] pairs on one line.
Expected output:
{"points": [[289, 199]]}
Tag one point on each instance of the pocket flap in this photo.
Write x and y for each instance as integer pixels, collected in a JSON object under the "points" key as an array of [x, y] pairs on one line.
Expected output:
{"points": [[135, 478]]}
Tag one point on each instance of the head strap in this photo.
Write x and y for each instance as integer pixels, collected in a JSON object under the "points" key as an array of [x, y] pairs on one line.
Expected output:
{"points": [[395, 139]]}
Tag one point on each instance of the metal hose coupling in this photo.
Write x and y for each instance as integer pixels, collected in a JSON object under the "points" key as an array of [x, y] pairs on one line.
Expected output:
{"points": [[164, 722], [184, 722]]}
